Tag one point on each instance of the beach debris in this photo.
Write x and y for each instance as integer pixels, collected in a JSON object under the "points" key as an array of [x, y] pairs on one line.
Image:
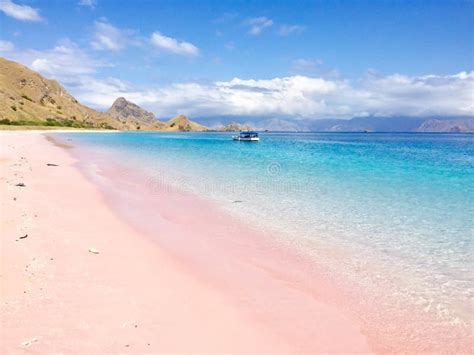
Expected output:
{"points": [[25, 236], [126, 324], [51, 164], [20, 184], [93, 251], [28, 343], [14, 198]]}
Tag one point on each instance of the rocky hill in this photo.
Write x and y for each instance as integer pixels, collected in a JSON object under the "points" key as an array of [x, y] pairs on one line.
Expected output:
{"points": [[182, 123], [124, 110], [26, 96]]}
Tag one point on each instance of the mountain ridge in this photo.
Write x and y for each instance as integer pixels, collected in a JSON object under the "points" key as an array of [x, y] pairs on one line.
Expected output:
{"points": [[28, 98]]}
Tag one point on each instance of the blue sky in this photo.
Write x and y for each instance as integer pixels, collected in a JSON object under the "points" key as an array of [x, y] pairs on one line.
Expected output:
{"points": [[249, 56]]}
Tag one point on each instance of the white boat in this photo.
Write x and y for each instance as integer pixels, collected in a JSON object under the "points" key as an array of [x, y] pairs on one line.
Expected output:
{"points": [[247, 136]]}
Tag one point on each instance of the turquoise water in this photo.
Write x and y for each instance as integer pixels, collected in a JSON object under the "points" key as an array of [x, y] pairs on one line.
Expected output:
{"points": [[399, 205]]}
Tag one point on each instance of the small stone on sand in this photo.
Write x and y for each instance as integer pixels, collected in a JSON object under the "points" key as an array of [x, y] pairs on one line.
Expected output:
{"points": [[20, 184], [93, 251], [26, 344]]}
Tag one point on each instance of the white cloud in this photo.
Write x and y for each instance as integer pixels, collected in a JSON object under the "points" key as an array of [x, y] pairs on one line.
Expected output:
{"points": [[108, 37], [298, 97], [172, 45], [418, 95], [88, 3], [258, 24], [6, 46], [19, 12], [286, 30], [64, 62]]}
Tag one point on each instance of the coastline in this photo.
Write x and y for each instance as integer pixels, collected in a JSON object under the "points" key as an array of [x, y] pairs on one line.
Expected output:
{"points": [[140, 293]]}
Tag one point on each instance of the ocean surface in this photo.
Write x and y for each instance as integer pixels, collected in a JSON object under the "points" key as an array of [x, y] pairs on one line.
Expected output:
{"points": [[398, 208]]}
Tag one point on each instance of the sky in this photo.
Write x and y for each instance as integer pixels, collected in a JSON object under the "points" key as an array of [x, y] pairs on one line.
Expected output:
{"points": [[252, 59]]}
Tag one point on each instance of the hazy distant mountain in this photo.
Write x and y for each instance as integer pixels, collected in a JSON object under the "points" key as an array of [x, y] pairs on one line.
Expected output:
{"points": [[234, 126], [373, 124], [277, 124], [456, 125]]}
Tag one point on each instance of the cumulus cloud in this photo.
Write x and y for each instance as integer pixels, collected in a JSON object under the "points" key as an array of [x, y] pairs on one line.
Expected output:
{"points": [[258, 24], [286, 30], [88, 3], [298, 96], [19, 12], [169, 44], [6, 46], [63, 62], [108, 37]]}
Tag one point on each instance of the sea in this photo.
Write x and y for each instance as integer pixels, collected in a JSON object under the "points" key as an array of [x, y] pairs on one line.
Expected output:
{"points": [[390, 212]]}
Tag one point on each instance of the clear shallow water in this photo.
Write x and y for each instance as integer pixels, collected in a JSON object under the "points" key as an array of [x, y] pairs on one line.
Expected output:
{"points": [[400, 205]]}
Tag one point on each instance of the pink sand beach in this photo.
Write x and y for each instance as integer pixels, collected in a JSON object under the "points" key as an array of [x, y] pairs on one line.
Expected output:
{"points": [[77, 278], [98, 259]]}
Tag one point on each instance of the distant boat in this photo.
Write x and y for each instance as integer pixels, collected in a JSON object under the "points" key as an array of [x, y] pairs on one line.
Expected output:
{"points": [[247, 136]]}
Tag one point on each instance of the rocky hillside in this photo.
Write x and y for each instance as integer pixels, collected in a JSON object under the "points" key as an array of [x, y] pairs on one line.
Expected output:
{"points": [[182, 123], [124, 110], [26, 96]]}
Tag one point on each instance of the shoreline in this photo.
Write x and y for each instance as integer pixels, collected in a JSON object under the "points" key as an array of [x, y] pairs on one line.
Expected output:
{"points": [[134, 295], [406, 326]]}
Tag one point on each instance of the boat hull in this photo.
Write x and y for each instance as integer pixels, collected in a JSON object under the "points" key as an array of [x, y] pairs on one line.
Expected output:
{"points": [[252, 139]]}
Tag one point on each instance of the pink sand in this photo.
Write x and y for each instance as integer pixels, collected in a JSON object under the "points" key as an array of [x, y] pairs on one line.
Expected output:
{"points": [[200, 283]]}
